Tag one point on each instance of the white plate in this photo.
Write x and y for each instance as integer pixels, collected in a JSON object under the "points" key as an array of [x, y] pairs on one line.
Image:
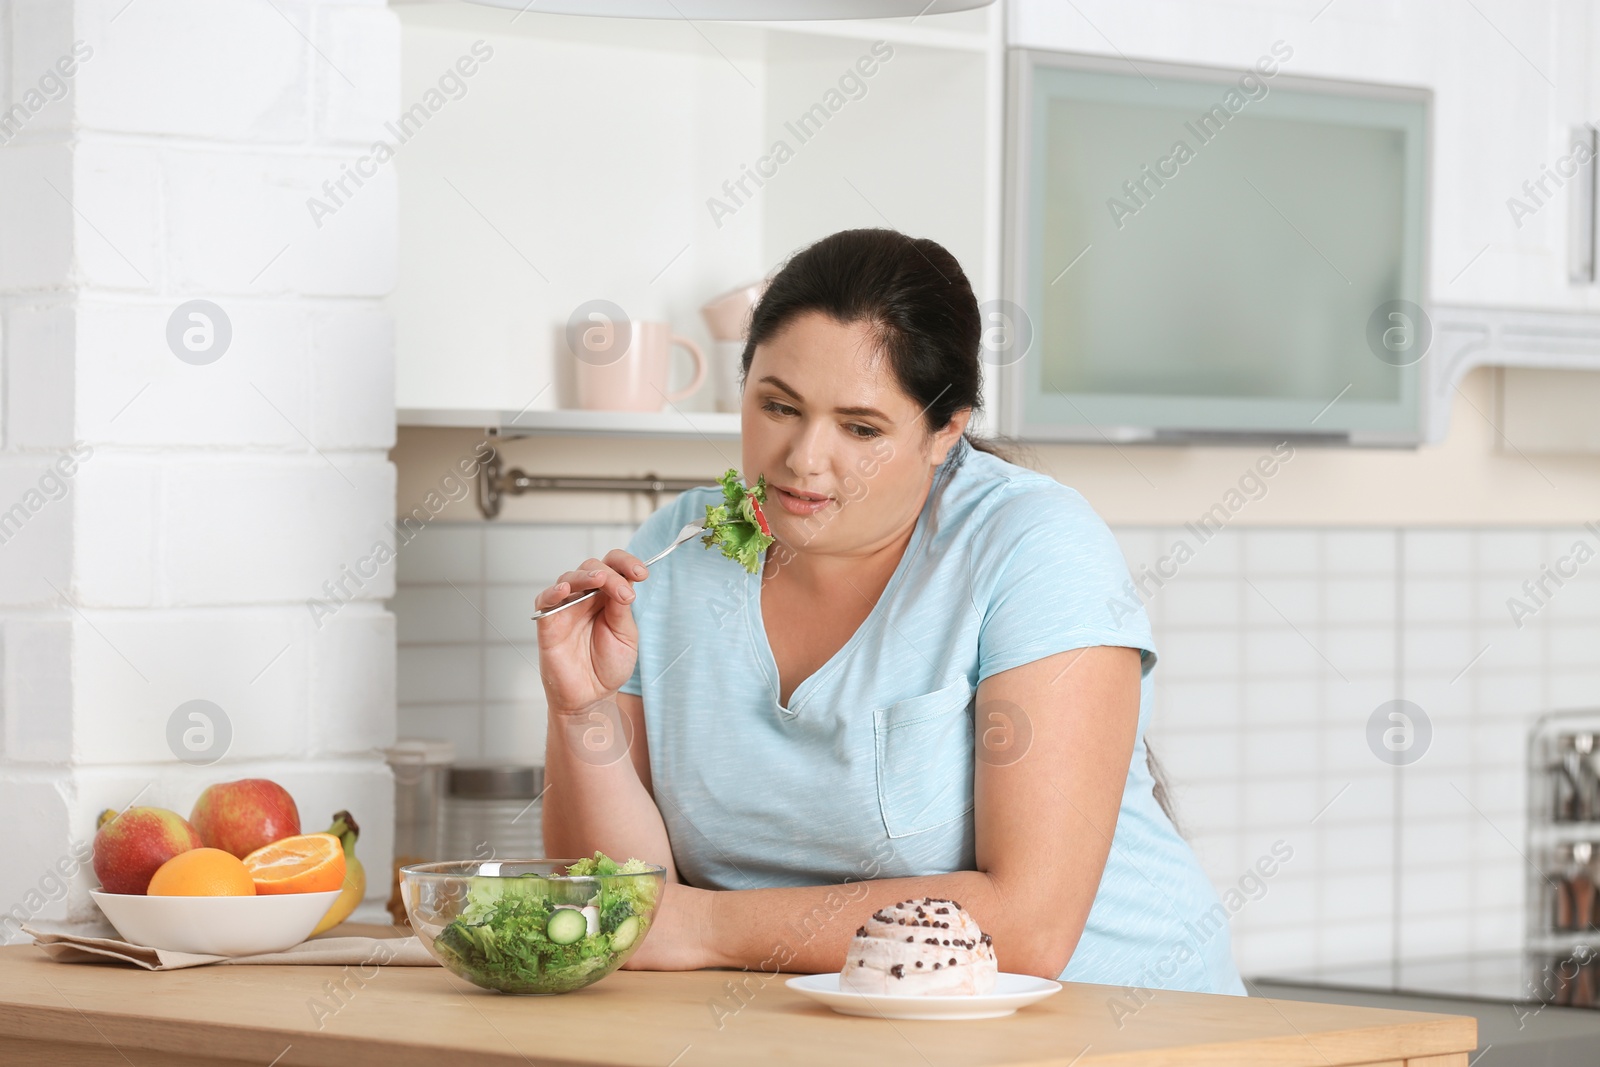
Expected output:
{"points": [[1011, 991], [216, 926]]}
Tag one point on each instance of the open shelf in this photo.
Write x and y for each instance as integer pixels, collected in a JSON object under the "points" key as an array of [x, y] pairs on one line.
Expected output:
{"points": [[709, 425], [654, 164]]}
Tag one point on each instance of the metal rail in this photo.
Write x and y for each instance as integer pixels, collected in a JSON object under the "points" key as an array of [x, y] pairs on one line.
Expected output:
{"points": [[495, 483]]}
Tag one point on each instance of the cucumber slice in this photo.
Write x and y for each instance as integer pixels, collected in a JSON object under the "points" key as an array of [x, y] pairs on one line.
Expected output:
{"points": [[565, 926], [625, 934]]}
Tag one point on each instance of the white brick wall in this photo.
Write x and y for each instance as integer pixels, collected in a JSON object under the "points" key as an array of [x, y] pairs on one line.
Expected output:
{"points": [[38, 241], [177, 69], [212, 501]]}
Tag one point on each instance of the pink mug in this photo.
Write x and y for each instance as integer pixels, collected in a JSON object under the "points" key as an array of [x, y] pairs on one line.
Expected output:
{"points": [[624, 366]]}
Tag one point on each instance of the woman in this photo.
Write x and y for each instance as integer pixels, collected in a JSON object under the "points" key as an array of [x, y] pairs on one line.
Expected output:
{"points": [[798, 747]]}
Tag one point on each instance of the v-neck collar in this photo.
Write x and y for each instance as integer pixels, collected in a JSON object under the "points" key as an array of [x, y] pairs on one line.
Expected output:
{"points": [[756, 625]]}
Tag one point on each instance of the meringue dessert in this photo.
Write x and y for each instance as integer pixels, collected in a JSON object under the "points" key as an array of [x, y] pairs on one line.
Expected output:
{"points": [[920, 948]]}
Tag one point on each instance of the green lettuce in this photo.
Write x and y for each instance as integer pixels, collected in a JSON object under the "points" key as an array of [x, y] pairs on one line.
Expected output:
{"points": [[499, 940], [618, 897], [485, 894], [737, 524]]}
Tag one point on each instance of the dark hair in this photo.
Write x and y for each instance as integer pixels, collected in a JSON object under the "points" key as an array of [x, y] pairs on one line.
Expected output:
{"points": [[914, 296], [920, 306]]}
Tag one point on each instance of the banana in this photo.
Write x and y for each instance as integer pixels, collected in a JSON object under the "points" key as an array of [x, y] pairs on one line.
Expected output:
{"points": [[355, 876]]}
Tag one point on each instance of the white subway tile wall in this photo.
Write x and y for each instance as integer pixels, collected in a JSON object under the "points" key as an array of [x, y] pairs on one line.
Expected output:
{"points": [[1277, 646], [468, 652]]}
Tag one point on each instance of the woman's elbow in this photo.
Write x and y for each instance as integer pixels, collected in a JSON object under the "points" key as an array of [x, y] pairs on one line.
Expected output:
{"points": [[1040, 949], [1041, 963], [1032, 934]]}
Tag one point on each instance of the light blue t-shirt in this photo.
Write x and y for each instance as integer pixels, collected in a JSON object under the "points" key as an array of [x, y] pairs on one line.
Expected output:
{"points": [[868, 773]]}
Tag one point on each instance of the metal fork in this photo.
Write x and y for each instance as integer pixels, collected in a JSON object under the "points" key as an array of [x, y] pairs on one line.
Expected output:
{"points": [[684, 534]]}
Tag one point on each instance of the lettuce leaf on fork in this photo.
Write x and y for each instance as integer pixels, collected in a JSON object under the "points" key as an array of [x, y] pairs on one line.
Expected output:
{"points": [[737, 525]]}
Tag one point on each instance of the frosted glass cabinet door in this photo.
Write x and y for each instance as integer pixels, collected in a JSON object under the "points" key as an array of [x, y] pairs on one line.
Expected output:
{"points": [[1202, 252]]}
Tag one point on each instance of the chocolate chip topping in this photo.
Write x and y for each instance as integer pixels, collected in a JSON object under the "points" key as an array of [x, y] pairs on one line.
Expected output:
{"points": [[922, 915]]}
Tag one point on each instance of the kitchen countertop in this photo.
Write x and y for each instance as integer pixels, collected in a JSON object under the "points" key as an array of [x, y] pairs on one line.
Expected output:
{"points": [[1510, 1033], [90, 1015], [1499, 976]]}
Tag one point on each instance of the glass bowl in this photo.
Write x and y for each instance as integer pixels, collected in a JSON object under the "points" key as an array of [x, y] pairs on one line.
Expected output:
{"points": [[526, 926]]}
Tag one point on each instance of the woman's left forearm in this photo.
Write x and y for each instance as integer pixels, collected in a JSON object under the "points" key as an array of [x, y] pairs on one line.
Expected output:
{"points": [[807, 929]]}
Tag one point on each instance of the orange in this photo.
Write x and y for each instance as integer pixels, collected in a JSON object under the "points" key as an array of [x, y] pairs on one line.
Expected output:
{"points": [[304, 863], [202, 872]]}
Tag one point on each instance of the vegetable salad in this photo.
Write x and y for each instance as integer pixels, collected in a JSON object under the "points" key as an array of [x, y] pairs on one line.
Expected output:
{"points": [[522, 935]]}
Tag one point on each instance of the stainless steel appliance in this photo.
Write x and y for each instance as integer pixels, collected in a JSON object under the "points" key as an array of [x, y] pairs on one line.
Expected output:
{"points": [[1562, 965]]}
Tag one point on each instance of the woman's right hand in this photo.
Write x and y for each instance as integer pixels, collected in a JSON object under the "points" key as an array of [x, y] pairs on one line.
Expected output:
{"points": [[587, 651]]}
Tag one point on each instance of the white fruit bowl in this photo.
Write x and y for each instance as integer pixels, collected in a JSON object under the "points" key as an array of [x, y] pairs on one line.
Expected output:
{"points": [[216, 926]]}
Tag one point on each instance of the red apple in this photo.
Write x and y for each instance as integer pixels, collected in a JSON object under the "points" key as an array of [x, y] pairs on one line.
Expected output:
{"points": [[239, 817], [129, 847]]}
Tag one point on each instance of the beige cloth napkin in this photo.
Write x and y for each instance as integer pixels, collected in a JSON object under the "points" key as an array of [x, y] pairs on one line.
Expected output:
{"points": [[98, 942]]}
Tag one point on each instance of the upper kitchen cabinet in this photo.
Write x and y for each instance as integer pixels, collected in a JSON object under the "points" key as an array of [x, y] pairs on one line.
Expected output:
{"points": [[1510, 81], [656, 164], [1205, 252]]}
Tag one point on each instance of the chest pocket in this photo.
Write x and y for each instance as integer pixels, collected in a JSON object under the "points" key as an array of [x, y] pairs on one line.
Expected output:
{"points": [[924, 760]]}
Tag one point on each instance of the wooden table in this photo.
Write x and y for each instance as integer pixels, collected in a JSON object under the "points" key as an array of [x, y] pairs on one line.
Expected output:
{"points": [[116, 1015]]}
